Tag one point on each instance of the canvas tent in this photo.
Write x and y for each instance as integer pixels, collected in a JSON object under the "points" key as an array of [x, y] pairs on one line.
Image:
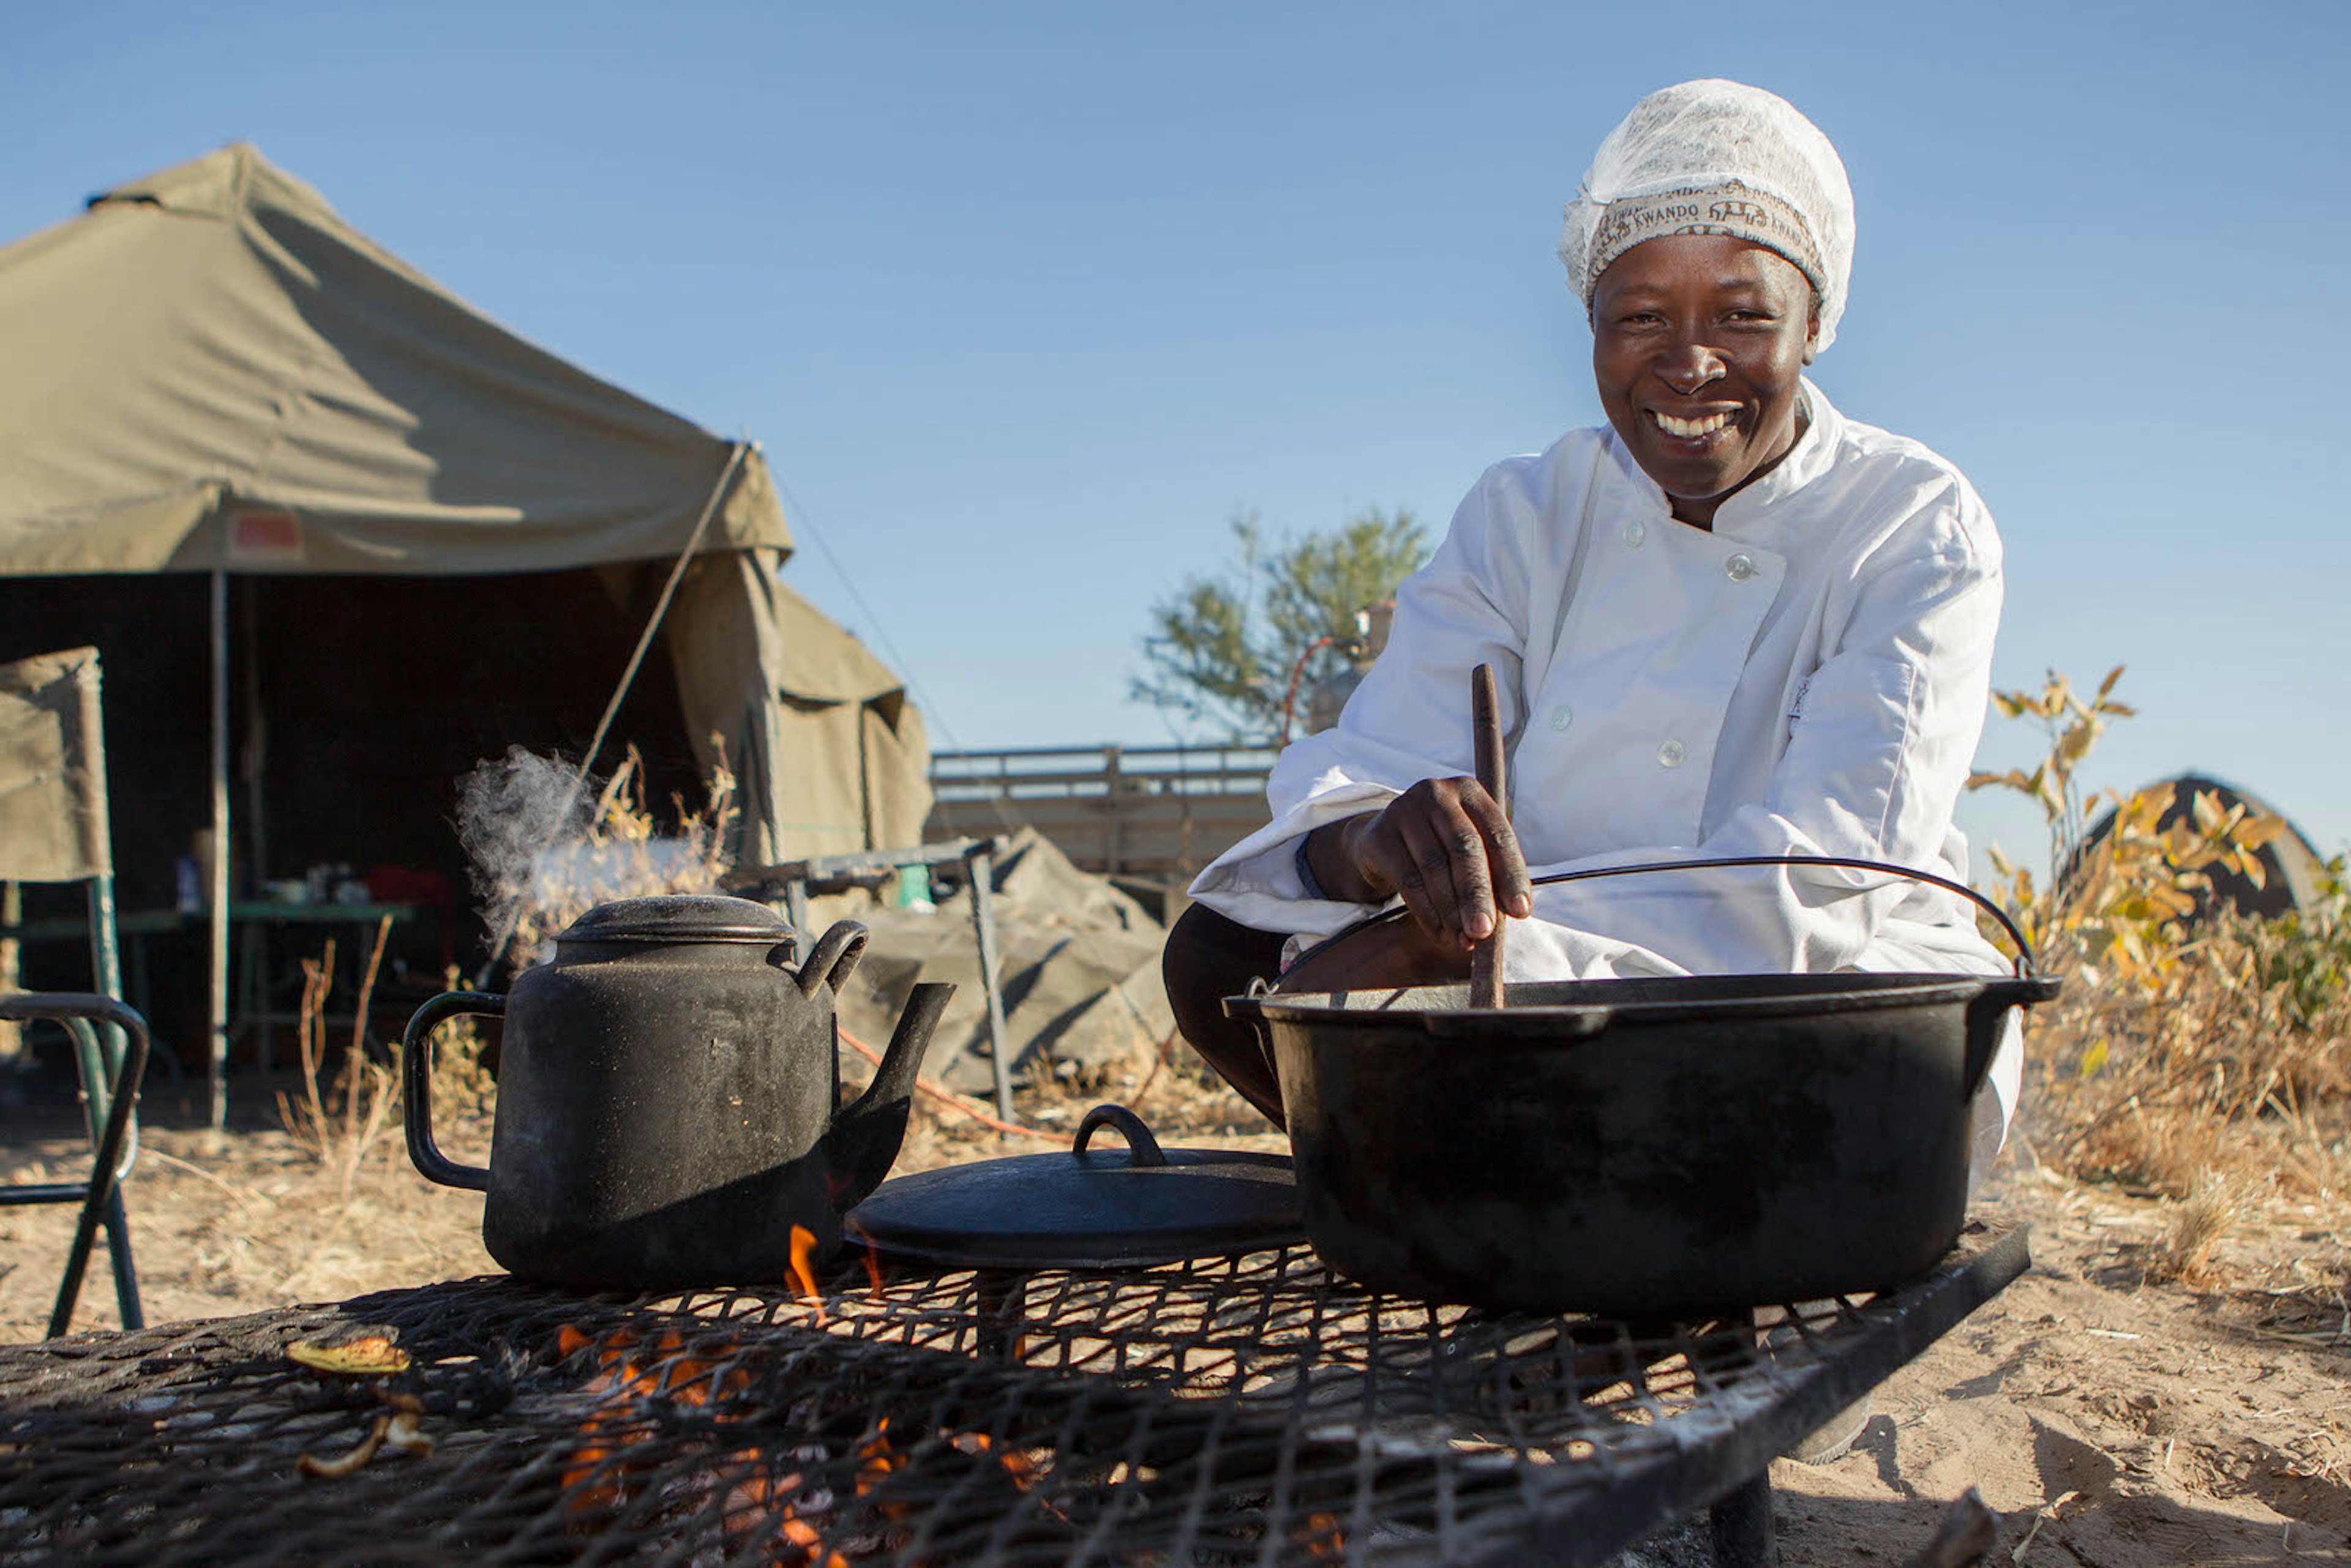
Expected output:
{"points": [[231, 424]]}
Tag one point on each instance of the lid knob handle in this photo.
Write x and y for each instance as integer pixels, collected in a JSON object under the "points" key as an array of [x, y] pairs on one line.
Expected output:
{"points": [[1139, 1141]]}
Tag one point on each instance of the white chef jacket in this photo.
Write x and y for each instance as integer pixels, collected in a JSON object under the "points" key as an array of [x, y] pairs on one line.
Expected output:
{"points": [[1809, 677]]}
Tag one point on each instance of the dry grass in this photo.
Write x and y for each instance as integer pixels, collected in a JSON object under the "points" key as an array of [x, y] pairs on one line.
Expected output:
{"points": [[2235, 1063], [2197, 1054], [2184, 1254], [338, 1121], [363, 1091]]}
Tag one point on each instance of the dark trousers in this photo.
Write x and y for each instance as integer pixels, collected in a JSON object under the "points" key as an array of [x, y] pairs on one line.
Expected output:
{"points": [[1208, 958]]}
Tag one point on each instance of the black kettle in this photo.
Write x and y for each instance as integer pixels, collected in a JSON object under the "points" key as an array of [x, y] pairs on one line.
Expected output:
{"points": [[669, 1097]]}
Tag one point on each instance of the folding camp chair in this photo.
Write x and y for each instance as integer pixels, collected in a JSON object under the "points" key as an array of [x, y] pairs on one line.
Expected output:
{"points": [[53, 829]]}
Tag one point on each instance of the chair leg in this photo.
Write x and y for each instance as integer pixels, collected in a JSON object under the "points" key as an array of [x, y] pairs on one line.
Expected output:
{"points": [[103, 1202], [93, 1210], [118, 1256]]}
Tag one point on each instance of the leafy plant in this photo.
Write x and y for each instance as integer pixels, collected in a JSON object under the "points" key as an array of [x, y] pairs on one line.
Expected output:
{"points": [[2119, 903], [2182, 1017]]}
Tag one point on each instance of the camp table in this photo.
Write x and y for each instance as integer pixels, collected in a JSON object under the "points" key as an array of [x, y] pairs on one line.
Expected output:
{"points": [[350, 925], [1247, 1409]]}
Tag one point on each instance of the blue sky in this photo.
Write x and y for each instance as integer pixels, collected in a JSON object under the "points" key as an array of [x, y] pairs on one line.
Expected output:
{"points": [[1025, 301]]}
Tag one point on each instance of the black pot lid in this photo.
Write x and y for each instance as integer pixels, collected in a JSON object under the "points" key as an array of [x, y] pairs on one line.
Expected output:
{"points": [[680, 917], [1089, 1208]]}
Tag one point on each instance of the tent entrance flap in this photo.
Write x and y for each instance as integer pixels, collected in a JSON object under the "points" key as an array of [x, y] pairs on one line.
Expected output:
{"points": [[829, 755]]}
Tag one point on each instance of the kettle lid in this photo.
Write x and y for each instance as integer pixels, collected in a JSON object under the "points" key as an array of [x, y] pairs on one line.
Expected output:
{"points": [[681, 917]]}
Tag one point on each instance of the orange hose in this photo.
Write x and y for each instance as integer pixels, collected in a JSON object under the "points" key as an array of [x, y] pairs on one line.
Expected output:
{"points": [[949, 1097]]}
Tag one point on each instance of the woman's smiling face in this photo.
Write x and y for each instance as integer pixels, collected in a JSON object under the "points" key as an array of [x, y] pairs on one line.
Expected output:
{"points": [[1698, 344]]}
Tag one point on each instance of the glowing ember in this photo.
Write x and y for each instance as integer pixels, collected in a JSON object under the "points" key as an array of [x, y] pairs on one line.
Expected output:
{"points": [[769, 1504], [760, 1502], [1319, 1534], [592, 1477]]}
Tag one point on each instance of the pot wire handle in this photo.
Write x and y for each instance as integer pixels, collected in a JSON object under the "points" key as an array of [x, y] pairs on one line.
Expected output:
{"points": [[2024, 964], [1139, 1141]]}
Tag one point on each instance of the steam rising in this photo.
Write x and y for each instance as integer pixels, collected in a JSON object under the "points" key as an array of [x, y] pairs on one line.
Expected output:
{"points": [[546, 848], [515, 814]]}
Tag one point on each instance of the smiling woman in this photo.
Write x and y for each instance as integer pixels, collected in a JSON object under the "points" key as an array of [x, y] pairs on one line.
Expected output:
{"points": [[1698, 344], [1732, 623]]}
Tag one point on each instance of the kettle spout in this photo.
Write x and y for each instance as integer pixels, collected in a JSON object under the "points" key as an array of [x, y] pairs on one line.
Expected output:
{"points": [[862, 1143]]}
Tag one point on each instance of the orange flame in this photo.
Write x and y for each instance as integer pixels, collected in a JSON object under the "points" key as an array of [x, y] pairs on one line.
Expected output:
{"points": [[1319, 1534], [803, 1275], [758, 1500], [872, 1259], [595, 1469], [758, 1507]]}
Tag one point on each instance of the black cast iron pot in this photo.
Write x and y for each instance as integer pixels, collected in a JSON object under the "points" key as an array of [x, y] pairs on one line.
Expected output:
{"points": [[1650, 1146], [668, 1107]]}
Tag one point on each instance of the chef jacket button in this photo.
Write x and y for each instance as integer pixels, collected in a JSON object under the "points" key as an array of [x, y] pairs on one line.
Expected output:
{"points": [[1634, 532], [1740, 567], [1560, 717], [1672, 754]]}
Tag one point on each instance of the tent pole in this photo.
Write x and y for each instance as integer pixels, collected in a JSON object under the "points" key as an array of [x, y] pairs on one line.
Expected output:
{"points": [[251, 755], [216, 1066], [628, 678], [653, 620]]}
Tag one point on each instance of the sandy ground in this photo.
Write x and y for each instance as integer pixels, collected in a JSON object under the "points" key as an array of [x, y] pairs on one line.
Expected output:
{"points": [[2110, 1422]]}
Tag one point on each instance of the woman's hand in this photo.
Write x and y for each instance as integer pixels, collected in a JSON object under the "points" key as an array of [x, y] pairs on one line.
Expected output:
{"points": [[1444, 845]]}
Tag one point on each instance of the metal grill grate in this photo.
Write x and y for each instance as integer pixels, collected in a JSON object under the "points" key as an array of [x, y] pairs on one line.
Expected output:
{"points": [[1248, 1410]]}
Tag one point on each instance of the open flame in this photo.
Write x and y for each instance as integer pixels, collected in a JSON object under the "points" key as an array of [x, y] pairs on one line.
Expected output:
{"points": [[593, 1475], [873, 1258], [803, 1246], [761, 1501], [781, 1511]]}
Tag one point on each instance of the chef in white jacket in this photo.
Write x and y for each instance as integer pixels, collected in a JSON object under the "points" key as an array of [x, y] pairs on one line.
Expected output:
{"points": [[1731, 623]]}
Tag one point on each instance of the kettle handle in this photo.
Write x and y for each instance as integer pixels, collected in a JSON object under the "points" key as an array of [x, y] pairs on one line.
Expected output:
{"points": [[417, 1085], [836, 952]]}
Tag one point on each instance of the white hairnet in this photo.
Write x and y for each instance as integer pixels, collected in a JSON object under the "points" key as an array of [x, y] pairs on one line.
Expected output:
{"points": [[1749, 164]]}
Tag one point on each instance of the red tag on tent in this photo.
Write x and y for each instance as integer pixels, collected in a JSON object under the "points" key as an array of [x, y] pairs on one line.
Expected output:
{"points": [[264, 536]]}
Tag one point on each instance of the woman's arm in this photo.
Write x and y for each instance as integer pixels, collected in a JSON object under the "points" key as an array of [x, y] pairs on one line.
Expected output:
{"points": [[1384, 800]]}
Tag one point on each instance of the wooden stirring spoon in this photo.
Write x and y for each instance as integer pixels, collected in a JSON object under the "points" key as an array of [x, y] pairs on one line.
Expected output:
{"points": [[1485, 727]]}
